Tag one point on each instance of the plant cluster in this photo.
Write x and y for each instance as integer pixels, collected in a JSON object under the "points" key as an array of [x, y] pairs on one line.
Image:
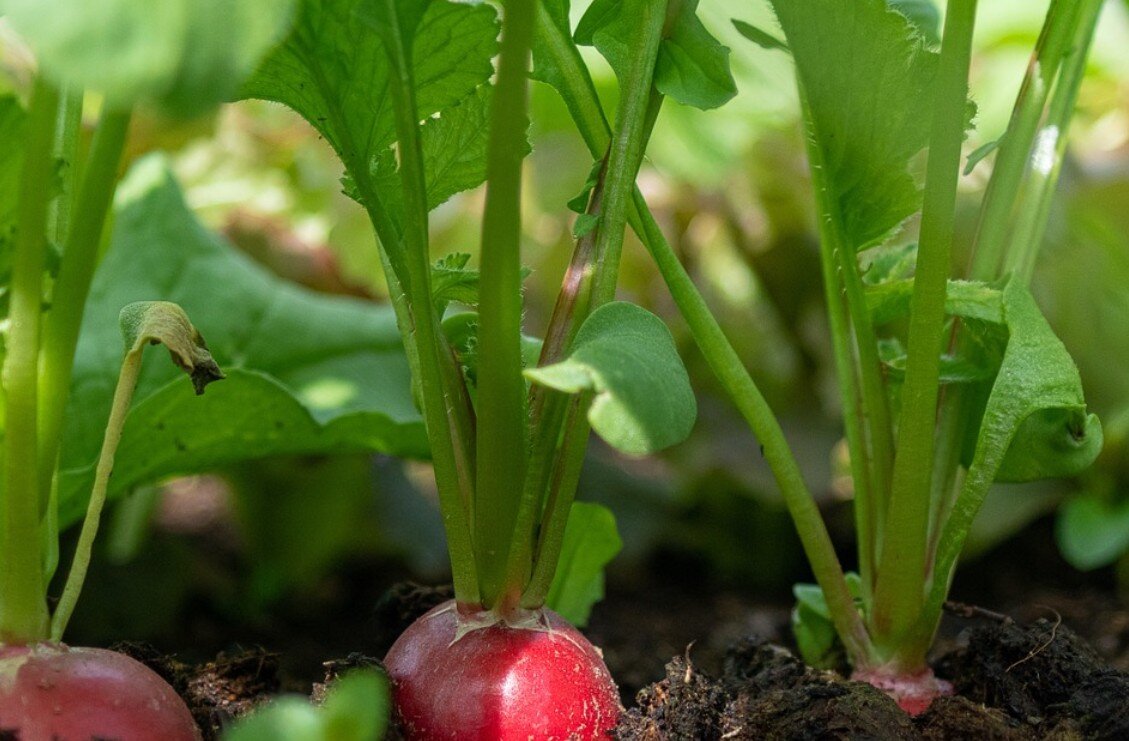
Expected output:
{"points": [[948, 382]]}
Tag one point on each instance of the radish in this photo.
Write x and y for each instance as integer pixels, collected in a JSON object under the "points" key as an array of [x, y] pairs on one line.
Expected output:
{"points": [[51, 691], [914, 692], [474, 677]]}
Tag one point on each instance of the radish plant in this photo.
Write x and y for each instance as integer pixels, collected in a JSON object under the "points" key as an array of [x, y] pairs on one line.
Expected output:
{"points": [[53, 213], [948, 384], [403, 93]]}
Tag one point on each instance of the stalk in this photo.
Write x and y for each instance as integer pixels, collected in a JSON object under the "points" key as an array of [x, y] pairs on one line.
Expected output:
{"points": [[1050, 147], [579, 96], [67, 130], [123, 396], [453, 473], [835, 253], [959, 522], [80, 258], [638, 109], [900, 588], [503, 431], [1011, 159], [23, 608]]}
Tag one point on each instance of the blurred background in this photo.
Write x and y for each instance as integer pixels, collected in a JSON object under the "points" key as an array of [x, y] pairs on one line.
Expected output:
{"points": [[266, 550]]}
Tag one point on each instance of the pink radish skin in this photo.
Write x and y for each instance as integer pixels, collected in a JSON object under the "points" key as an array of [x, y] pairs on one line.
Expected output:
{"points": [[498, 683], [914, 693], [51, 691]]}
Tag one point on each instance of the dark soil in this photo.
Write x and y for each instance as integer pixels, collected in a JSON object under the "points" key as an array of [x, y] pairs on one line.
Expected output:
{"points": [[1012, 682], [1056, 671], [217, 691]]}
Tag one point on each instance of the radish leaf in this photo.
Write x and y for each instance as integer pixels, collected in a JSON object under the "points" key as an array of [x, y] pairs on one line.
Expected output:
{"points": [[1035, 406], [300, 365], [187, 55], [626, 356], [866, 78], [591, 541], [356, 708], [333, 70], [1092, 529], [692, 66]]}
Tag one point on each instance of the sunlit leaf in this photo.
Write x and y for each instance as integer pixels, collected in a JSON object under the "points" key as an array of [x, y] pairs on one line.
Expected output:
{"points": [[333, 70], [867, 81], [626, 357]]}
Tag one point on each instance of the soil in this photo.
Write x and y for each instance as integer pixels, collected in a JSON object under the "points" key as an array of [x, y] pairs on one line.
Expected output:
{"points": [[698, 660]]}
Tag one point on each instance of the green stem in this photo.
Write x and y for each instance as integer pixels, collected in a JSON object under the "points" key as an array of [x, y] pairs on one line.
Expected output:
{"points": [[639, 106], [1011, 159], [68, 127], [900, 588], [562, 488], [1049, 148], [958, 523], [23, 607], [80, 258], [548, 407], [836, 258], [67, 131], [735, 378], [503, 432], [453, 474], [123, 395], [578, 93]]}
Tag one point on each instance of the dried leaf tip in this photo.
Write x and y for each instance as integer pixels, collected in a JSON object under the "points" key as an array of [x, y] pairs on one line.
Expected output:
{"points": [[163, 322]]}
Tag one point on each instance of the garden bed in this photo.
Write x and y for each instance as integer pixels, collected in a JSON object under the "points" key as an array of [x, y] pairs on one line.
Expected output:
{"points": [[697, 661]]}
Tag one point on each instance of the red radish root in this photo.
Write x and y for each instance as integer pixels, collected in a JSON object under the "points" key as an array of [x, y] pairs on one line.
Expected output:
{"points": [[51, 691], [542, 680], [913, 692]]}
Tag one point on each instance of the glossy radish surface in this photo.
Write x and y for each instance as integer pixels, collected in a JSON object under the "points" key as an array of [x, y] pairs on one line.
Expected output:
{"points": [[500, 683], [51, 691]]}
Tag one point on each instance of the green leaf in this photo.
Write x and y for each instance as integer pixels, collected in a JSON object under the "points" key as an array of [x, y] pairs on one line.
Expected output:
{"points": [[591, 541], [967, 299], [356, 708], [1035, 423], [976, 155], [760, 37], [579, 202], [307, 373], [812, 628], [333, 70], [187, 55], [1092, 529], [867, 80], [692, 66], [584, 225], [625, 355], [924, 16], [452, 281], [454, 153]]}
